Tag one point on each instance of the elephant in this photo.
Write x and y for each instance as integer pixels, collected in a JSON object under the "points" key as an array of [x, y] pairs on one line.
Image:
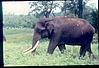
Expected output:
{"points": [[63, 30]]}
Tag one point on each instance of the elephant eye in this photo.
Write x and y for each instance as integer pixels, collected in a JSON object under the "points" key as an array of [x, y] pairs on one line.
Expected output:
{"points": [[43, 25]]}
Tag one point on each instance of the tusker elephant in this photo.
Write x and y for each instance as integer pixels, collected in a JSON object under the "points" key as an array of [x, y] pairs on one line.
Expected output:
{"points": [[63, 30]]}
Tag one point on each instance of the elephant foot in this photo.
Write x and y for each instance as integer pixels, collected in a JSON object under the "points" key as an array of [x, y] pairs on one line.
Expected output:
{"points": [[50, 51], [81, 58], [48, 54]]}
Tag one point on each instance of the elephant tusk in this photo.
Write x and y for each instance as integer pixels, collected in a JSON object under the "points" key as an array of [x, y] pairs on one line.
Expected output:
{"points": [[28, 49], [32, 49]]}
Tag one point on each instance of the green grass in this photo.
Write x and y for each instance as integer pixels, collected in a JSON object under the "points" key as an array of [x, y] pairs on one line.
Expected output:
{"points": [[20, 39]]}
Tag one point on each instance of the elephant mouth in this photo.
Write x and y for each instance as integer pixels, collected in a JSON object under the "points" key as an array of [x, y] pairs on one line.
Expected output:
{"points": [[32, 48]]}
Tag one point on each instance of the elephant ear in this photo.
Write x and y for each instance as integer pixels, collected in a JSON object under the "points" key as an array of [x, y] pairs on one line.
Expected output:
{"points": [[50, 27]]}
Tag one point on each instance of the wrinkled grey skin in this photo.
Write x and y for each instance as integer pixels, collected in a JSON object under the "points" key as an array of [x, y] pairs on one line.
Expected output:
{"points": [[64, 30]]}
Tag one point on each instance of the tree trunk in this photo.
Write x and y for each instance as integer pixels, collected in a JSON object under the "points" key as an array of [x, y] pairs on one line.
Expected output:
{"points": [[75, 8], [80, 8], [65, 8]]}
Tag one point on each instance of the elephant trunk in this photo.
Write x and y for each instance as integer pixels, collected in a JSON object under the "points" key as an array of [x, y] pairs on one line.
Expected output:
{"points": [[35, 43]]}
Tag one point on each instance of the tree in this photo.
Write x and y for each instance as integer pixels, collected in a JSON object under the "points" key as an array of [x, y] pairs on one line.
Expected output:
{"points": [[94, 15], [68, 7], [43, 8], [64, 7], [74, 7]]}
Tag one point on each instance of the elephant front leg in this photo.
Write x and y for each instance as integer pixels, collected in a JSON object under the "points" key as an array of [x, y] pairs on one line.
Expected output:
{"points": [[52, 46], [54, 41]]}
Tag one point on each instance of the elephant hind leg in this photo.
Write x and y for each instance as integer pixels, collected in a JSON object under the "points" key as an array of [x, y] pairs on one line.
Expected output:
{"points": [[83, 50], [85, 46], [90, 52], [61, 48]]}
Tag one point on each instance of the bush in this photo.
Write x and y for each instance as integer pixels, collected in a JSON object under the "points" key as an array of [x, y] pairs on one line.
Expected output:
{"points": [[92, 16], [19, 21]]}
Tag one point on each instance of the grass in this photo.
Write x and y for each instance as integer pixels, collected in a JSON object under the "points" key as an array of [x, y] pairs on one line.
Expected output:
{"points": [[20, 39]]}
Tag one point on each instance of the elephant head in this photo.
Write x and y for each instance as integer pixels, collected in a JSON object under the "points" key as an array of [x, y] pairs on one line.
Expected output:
{"points": [[43, 29]]}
